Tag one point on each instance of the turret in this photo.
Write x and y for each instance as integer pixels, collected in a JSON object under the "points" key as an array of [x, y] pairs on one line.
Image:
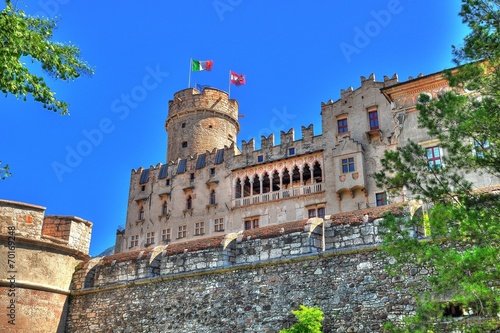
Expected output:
{"points": [[198, 122]]}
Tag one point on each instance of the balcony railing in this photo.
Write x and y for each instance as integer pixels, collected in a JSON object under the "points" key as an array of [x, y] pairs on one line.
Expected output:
{"points": [[278, 195]]}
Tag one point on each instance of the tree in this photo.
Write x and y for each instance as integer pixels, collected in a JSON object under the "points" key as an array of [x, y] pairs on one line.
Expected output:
{"points": [[4, 171], [463, 250], [27, 38], [309, 321]]}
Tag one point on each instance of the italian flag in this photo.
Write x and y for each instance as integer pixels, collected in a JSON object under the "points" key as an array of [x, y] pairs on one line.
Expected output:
{"points": [[197, 65]]}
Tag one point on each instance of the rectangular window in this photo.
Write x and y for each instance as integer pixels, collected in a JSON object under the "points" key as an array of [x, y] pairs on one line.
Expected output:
{"points": [[348, 165], [191, 176], [381, 198], [134, 241], [199, 228], [291, 151], [165, 235], [342, 125], [212, 171], [251, 223], [321, 212], [181, 233], [373, 116], [150, 238], [260, 158], [316, 212], [167, 182], [433, 157], [480, 147], [219, 224]]}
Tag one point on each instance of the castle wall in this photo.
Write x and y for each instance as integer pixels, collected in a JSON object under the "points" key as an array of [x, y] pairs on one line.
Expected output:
{"points": [[38, 258], [251, 285]]}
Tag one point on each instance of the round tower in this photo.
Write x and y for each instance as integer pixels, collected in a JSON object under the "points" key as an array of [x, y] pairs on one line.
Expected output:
{"points": [[200, 121]]}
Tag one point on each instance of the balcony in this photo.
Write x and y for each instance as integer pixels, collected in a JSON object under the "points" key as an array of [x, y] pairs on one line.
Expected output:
{"points": [[278, 195]]}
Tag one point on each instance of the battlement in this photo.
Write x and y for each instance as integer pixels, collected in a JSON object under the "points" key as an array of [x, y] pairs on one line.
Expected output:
{"points": [[288, 146], [30, 224], [210, 99]]}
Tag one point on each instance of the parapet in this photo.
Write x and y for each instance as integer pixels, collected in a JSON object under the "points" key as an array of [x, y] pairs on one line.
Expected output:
{"points": [[211, 99], [66, 233]]}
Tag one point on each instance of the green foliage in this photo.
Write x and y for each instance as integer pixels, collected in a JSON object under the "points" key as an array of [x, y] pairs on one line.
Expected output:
{"points": [[463, 250], [27, 38], [4, 171], [309, 321]]}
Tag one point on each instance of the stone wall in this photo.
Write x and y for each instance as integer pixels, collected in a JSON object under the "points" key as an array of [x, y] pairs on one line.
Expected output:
{"points": [[38, 256], [246, 282]]}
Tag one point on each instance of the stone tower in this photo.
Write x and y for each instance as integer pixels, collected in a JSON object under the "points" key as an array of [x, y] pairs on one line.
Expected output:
{"points": [[198, 122]]}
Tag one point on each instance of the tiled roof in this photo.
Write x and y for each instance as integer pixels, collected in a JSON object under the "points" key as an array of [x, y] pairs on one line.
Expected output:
{"points": [[349, 218]]}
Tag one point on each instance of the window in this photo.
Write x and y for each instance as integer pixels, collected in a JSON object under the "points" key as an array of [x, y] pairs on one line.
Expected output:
{"points": [[165, 235], [212, 197], [184, 144], [342, 125], [433, 157], [150, 238], [143, 188], [219, 224], [260, 158], [164, 209], [183, 125], [480, 147], [134, 241], [181, 233], [348, 165], [373, 117], [212, 171], [316, 212], [167, 182], [381, 198], [189, 202], [141, 214], [251, 223], [291, 151], [191, 176], [199, 228]]}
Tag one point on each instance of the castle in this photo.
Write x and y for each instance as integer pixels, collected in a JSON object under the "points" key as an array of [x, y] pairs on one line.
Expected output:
{"points": [[223, 240], [208, 187]]}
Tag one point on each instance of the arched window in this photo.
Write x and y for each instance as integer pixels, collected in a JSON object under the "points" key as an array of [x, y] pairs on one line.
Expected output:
{"points": [[212, 197], [266, 183], [317, 174], [237, 190], [189, 202], [306, 175], [256, 185], [246, 187]]}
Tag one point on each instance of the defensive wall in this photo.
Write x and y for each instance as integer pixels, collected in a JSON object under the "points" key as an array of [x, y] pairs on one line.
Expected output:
{"points": [[247, 282], [38, 256]]}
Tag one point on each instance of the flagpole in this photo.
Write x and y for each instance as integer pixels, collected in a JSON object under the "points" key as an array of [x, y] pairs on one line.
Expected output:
{"points": [[229, 88], [190, 65]]}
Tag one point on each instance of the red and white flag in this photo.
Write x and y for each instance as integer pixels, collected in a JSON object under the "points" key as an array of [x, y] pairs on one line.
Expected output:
{"points": [[237, 79]]}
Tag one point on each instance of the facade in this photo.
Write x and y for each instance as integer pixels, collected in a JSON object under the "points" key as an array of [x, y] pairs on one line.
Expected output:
{"points": [[208, 187]]}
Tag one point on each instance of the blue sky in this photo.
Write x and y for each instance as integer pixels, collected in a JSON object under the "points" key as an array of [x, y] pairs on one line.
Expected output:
{"points": [[294, 54]]}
